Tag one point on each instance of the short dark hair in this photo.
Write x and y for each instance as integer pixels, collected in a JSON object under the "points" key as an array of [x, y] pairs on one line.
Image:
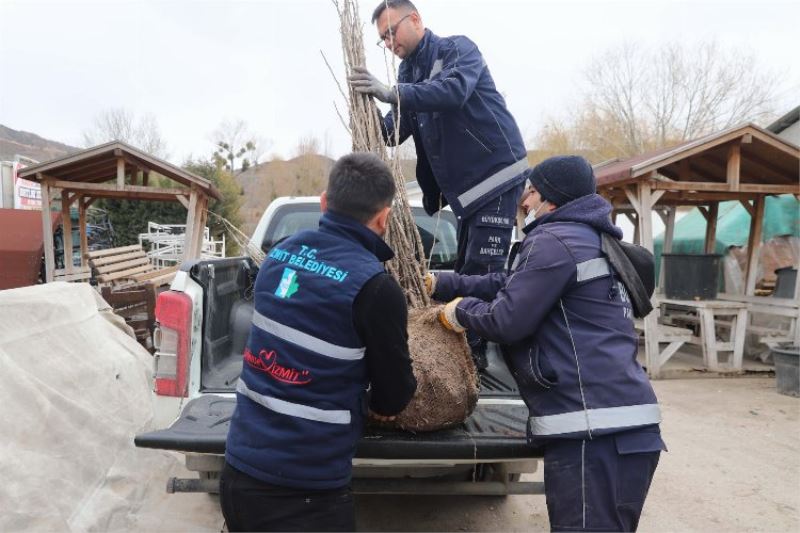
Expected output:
{"points": [[359, 186], [394, 4]]}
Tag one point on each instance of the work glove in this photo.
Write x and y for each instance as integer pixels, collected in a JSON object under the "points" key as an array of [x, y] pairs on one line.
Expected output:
{"points": [[365, 83], [430, 283], [447, 316], [380, 418]]}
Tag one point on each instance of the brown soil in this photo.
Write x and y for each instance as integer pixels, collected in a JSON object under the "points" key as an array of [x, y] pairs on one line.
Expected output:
{"points": [[447, 381]]}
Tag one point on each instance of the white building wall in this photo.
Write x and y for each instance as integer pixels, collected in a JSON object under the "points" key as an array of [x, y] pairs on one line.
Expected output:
{"points": [[792, 133]]}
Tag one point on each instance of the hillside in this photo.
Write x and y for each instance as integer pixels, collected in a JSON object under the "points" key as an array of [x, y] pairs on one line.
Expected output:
{"points": [[14, 142], [305, 175]]}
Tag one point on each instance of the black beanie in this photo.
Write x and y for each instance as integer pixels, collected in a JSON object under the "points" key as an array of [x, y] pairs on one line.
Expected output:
{"points": [[563, 178]]}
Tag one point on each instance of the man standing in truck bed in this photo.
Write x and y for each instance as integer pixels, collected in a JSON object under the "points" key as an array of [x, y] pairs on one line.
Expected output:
{"points": [[470, 153], [329, 325]]}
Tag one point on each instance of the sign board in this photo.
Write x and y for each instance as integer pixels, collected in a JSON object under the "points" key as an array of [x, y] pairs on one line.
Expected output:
{"points": [[27, 194]]}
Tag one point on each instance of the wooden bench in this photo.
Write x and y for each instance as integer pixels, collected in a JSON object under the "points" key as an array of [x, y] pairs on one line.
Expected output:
{"points": [[78, 274], [770, 336], [118, 266], [673, 336], [159, 277]]}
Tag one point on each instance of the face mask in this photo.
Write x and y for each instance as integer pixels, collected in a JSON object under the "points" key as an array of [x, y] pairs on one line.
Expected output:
{"points": [[532, 216]]}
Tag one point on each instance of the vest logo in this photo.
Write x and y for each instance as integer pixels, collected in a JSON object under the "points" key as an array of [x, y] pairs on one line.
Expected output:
{"points": [[288, 284], [267, 362]]}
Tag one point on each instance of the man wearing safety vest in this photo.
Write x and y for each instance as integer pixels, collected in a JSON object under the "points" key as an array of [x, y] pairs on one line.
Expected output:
{"points": [[565, 321], [328, 345], [470, 153]]}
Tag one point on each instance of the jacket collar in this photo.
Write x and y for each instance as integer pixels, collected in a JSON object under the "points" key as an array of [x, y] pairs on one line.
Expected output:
{"points": [[350, 229], [592, 210], [421, 47]]}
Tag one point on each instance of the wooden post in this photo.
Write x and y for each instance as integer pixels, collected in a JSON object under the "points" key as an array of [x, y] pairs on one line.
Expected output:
{"points": [[82, 230], [734, 166], [646, 216], [145, 178], [47, 231], [66, 224], [120, 173], [669, 234], [796, 319], [200, 221], [645, 228], [711, 227], [754, 245], [190, 225]]}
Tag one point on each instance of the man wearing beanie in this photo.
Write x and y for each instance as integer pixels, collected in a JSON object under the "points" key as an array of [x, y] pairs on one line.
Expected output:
{"points": [[566, 325]]}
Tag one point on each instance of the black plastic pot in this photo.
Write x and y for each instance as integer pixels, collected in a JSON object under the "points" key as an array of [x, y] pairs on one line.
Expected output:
{"points": [[785, 283], [691, 276], [787, 370]]}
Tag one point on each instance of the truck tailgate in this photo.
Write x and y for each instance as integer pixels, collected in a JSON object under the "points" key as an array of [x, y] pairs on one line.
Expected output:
{"points": [[496, 430]]}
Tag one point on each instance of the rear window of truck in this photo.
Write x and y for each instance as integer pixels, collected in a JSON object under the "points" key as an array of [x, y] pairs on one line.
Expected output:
{"points": [[438, 232]]}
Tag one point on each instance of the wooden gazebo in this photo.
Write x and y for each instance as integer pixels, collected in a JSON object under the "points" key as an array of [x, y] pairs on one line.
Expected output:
{"points": [[115, 170], [744, 163]]}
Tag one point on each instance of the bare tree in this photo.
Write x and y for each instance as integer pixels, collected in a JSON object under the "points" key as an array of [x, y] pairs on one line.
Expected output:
{"points": [[308, 144], [639, 99], [234, 142], [119, 124]]}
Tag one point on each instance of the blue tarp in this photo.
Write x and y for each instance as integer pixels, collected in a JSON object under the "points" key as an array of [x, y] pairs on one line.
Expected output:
{"points": [[781, 217]]}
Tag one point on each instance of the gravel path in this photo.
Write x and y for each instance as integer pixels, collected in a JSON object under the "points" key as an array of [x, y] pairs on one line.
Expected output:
{"points": [[733, 465]]}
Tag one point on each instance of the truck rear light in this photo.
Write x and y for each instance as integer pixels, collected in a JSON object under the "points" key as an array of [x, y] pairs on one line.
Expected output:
{"points": [[171, 340]]}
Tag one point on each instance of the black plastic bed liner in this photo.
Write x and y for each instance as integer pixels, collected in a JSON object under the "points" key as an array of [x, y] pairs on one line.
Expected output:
{"points": [[495, 430]]}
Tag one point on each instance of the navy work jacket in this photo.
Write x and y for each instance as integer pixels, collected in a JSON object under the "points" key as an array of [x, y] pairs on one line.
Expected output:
{"points": [[469, 148], [566, 323]]}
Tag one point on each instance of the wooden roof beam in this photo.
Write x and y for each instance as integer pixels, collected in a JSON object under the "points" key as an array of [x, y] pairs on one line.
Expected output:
{"points": [[93, 188], [754, 188], [769, 168], [82, 168], [128, 195], [697, 169]]}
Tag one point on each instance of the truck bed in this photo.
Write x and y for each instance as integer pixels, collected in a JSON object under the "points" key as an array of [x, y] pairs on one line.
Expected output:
{"points": [[496, 429]]}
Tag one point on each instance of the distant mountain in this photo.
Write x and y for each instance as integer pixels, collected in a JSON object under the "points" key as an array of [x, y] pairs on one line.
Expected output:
{"points": [[305, 175], [13, 142]]}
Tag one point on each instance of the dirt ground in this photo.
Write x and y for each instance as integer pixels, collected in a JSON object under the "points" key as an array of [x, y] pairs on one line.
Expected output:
{"points": [[733, 465]]}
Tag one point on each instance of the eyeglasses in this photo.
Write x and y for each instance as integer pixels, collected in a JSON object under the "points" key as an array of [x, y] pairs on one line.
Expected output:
{"points": [[390, 33]]}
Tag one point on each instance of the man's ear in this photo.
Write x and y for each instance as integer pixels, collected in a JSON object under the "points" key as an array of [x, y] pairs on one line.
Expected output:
{"points": [[381, 220], [323, 201]]}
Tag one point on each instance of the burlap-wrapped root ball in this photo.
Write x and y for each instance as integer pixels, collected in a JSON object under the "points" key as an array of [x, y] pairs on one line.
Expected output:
{"points": [[447, 380]]}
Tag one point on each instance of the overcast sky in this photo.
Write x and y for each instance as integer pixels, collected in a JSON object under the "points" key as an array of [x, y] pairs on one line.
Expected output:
{"points": [[192, 64]]}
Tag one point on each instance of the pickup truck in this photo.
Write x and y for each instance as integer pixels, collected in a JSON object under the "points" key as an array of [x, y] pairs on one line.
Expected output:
{"points": [[203, 322]]}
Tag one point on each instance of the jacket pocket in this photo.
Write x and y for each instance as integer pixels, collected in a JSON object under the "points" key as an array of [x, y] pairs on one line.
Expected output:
{"points": [[479, 140], [541, 369], [638, 452]]}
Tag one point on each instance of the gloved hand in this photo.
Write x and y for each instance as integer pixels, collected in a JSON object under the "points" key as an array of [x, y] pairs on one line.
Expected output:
{"points": [[430, 283], [447, 316], [380, 418], [365, 83]]}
